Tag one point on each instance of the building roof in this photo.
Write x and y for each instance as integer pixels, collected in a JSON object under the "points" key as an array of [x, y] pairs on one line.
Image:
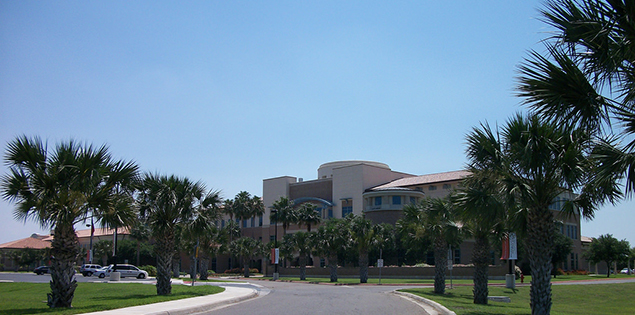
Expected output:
{"points": [[424, 180], [98, 232], [35, 241]]}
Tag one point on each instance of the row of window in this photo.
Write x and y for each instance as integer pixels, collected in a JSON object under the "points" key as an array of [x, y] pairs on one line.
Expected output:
{"points": [[244, 223], [395, 200], [434, 187]]}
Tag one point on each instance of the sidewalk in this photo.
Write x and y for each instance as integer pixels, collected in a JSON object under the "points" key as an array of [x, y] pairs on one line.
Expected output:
{"points": [[186, 306]]}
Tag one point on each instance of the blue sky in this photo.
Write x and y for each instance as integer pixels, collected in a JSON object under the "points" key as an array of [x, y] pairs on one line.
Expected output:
{"points": [[232, 92]]}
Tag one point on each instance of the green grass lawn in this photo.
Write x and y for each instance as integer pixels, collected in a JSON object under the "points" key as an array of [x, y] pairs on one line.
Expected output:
{"points": [[30, 298], [567, 299]]}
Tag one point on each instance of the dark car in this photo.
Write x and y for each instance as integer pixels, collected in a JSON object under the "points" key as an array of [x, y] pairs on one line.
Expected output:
{"points": [[41, 270]]}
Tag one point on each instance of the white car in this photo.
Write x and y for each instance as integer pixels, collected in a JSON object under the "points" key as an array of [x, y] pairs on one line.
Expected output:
{"points": [[125, 270], [625, 271]]}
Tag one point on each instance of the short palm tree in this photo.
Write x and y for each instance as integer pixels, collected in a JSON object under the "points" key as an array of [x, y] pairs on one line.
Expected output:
{"points": [[167, 202], [307, 215], [364, 236], [483, 213], [437, 220], [331, 238], [302, 242], [61, 188], [246, 248]]}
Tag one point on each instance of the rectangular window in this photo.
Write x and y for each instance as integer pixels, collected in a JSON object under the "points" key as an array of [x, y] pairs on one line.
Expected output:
{"points": [[260, 221], [244, 223], [272, 238], [457, 255], [346, 211], [447, 186], [572, 260], [222, 223], [330, 213], [396, 200], [378, 201], [413, 200], [253, 222], [432, 187]]}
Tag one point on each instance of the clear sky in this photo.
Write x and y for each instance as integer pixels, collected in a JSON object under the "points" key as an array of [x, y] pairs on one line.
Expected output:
{"points": [[232, 92]]}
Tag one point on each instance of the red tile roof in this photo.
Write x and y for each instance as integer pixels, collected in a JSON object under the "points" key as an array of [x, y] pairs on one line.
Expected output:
{"points": [[35, 241], [425, 179]]}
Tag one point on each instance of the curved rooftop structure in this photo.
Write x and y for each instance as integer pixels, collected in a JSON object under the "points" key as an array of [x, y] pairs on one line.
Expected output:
{"points": [[326, 169]]}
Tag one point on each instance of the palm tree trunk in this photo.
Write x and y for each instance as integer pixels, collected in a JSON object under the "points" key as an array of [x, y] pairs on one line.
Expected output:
{"points": [[165, 254], [246, 267], [302, 266], [440, 264], [363, 266], [204, 265], [481, 265], [333, 267], [64, 251], [539, 245]]}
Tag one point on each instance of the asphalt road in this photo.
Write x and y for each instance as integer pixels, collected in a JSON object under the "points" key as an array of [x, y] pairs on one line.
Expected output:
{"points": [[46, 278], [301, 298]]}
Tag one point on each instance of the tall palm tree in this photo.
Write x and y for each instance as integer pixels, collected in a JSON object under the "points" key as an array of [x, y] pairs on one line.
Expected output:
{"points": [[284, 212], [307, 215], [483, 213], [535, 161], [167, 202], [61, 188], [246, 248], [586, 80], [102, 250], [364, 236]]}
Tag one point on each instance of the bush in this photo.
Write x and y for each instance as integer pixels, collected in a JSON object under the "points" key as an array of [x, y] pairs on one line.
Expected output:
{"points": [[151, 270], [577, 273]]}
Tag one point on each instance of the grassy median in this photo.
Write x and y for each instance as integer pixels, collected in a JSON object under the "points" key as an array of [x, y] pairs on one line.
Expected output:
{"points": [[567, 299], [30, 298]]}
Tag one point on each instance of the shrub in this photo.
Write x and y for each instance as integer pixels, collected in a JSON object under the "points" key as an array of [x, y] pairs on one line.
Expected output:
{"points": [[151, 270]]}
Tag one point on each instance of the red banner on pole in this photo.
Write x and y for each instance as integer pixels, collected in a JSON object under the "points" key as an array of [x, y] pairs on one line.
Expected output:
{"points": [[505, 252]]}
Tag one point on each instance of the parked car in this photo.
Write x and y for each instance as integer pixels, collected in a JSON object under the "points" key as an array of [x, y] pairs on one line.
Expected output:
{"points": [[87, 270], [625, 271], [41, 270], [125, 270], [101, 272]]}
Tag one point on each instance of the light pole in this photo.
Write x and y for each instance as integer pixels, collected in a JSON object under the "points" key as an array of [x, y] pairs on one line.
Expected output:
{"points": [[92, 232], [276, 274]]}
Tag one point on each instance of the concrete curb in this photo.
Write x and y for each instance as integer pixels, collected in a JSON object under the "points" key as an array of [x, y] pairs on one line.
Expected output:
{"points": [[430, 306], [187, 306]]}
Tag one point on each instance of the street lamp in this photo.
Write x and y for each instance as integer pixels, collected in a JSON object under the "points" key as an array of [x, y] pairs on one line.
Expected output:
{"points": [[92, 232], [276, 274]]}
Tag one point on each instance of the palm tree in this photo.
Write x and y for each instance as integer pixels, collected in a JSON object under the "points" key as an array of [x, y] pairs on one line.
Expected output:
{"points": [[103, 249], [210, 247], [330, 239], [483, 213], [436, 217], [246, 248], [302, 242], [61, 188], [535, 161], [140, 233], [201, 223], [364, 236], [307, 215], [284, 212], [244, 206], [165, 203], [586, 81]]}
